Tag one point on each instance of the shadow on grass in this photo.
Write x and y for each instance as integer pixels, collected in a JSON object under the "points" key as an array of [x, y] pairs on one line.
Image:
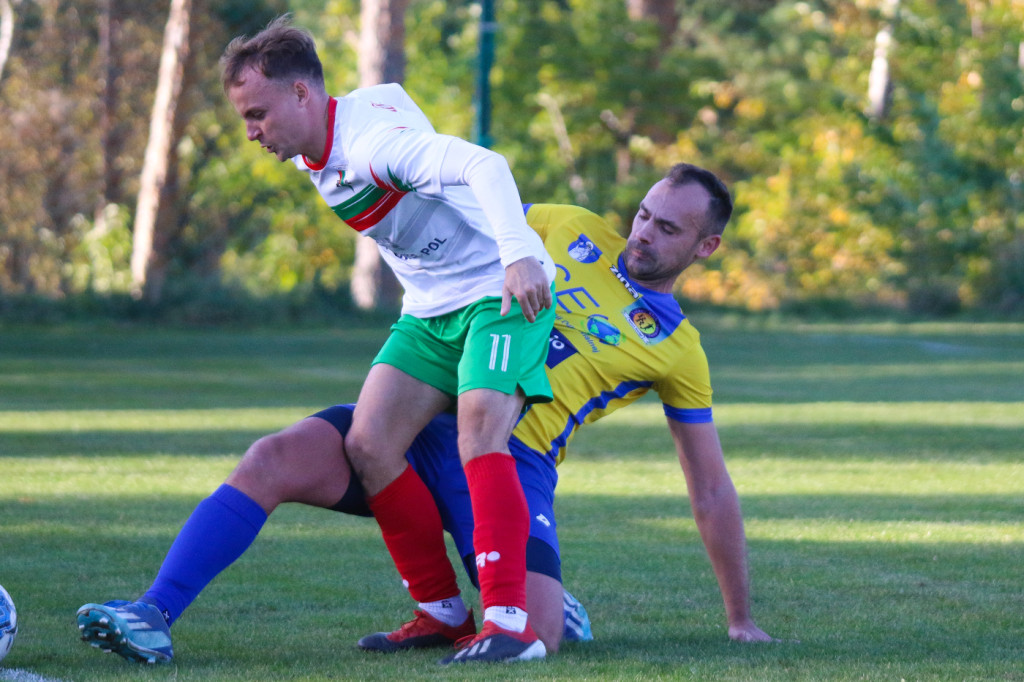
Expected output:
{"points": [[885, 442], [648, 587], [119, 443], [826, 508]]}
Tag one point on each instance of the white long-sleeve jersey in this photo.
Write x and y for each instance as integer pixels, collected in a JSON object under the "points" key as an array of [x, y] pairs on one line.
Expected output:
{"points": [[446, 214]]}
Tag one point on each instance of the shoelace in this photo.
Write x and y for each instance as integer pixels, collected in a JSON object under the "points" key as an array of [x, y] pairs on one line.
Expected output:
{"points": [[465, 642], [418, 623]]}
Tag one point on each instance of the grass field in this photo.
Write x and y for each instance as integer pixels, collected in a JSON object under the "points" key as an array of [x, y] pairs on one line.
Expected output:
{"points": [[881, 470]]}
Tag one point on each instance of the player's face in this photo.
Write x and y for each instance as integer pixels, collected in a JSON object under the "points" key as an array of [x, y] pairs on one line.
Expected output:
{"points": [[273, 114], [666, 235]]}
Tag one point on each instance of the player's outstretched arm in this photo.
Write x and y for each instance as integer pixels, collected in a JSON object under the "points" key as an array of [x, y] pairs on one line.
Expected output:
{"points": [[716, 509]]}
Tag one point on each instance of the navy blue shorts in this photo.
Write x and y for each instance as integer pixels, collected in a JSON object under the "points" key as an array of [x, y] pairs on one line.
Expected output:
{"points": [[434, 455]]}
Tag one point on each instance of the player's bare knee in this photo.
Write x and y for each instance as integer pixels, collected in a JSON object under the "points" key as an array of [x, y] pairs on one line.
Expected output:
{"points": [[481, 435], [360, 452], [263, 461], [551, 639], [486, 420], [372, 461]]}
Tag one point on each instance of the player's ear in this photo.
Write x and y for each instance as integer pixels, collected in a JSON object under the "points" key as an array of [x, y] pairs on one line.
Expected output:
{"points": [[708, 245]]}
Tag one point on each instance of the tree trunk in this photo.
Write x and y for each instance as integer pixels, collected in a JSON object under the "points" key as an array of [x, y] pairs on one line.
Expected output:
{"points": [[382, 42], [381, 60], [661, 12], [6, 32], [147, 263], [879, 80], [111, 131]]}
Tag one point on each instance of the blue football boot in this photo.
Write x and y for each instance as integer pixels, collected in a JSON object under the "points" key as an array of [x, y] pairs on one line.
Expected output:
{"points": [[135, 631], [577, 622]]}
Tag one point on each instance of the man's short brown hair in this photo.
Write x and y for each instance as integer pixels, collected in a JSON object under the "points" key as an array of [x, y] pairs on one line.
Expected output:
{"points": [[280, 51], [719, 201]]}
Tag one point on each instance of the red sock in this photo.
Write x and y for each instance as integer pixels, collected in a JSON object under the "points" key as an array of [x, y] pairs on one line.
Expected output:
{"points": [[412, 530], [502, 526]]}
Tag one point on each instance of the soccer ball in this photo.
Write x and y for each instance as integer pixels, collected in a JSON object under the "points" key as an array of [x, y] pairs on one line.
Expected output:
{"points": [[8, 622]]}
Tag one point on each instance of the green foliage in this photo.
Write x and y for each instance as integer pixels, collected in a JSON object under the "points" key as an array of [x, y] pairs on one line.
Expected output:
{"points": [[99, 261], [920, 210]]}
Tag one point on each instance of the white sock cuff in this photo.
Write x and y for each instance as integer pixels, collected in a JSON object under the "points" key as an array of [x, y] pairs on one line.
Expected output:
{"points": [[451, 611]]}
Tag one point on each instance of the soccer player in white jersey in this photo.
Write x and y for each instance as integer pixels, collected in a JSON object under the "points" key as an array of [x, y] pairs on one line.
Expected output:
{"points": [[476, 313]]}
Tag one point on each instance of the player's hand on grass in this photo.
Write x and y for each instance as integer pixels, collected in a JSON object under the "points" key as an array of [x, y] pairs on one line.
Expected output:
{"points": [[747, 631], [526, 280]]}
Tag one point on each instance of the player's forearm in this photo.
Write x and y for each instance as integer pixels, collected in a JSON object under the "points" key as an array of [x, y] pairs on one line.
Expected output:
{"points": [[720, 523], [487, 174]]}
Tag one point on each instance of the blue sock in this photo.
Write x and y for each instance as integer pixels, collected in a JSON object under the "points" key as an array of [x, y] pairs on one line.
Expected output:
{"points": [[218, 532]]}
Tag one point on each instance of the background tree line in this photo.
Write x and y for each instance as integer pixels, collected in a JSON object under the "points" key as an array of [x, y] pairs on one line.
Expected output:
{"points": [[874, 147]]}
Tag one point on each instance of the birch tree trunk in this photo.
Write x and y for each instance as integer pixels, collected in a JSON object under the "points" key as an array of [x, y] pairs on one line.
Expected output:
{"points": [[147, 263], [6, 32], [879, 80], [381, 60]]}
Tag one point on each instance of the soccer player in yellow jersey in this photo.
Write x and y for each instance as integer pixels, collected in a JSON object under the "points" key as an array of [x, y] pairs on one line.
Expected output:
{"points": [[618, 334]]}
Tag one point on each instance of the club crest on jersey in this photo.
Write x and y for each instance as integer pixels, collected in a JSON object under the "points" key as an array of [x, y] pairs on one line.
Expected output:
{"points": [[646, 324], [583, 250], [605, 331]]}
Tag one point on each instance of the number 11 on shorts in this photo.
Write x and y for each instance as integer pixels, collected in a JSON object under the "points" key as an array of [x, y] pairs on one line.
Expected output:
{"points": [[500, 343]]}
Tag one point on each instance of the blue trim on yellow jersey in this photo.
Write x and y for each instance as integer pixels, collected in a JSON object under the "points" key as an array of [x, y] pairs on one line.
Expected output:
{"points": [[596, 403], [665, 306], [701, 415]]}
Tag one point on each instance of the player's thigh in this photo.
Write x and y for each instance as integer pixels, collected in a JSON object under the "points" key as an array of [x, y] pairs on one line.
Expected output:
{"points": [[304, 462], [393, 407]]}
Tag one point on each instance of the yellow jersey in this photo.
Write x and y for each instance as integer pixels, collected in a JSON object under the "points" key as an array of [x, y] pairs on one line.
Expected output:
{"points": [[613, 340]]}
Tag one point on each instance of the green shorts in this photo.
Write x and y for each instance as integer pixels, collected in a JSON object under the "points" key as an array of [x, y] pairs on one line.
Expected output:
{"points": [[474, 347]]}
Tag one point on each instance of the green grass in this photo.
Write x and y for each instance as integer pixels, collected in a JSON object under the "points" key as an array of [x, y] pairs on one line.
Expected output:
{"points": [[881, 470]]}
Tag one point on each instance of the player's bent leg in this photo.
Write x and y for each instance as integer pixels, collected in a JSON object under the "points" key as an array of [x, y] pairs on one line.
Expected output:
{"points": [[303, 463], [544, 604], [502, 524], [486, 420], [393, 407]]}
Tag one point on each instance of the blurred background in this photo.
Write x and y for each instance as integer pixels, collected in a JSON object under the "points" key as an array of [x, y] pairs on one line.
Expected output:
{"points": [[875, 148]]}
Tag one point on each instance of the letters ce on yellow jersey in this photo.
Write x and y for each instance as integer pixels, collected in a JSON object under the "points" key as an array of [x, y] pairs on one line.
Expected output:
{"points": [[613, 340]]}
